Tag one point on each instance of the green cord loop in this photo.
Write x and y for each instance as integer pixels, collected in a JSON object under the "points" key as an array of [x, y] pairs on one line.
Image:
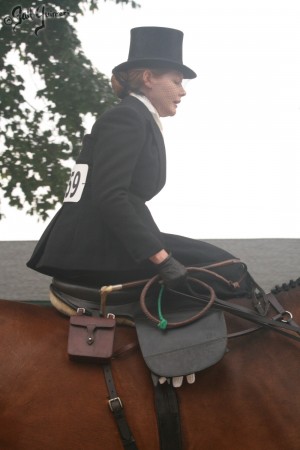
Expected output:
{"points": [[163, 322]]}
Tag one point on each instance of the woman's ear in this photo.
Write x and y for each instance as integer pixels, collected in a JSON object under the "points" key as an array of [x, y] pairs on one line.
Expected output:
{"points": [[147, 78]]}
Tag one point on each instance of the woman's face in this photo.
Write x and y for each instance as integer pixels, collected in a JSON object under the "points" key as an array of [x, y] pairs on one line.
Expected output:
{"points": [[164, 91]]}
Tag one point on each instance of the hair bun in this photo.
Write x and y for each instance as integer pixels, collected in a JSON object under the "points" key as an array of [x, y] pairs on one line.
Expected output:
{"points": [[119, 86]]}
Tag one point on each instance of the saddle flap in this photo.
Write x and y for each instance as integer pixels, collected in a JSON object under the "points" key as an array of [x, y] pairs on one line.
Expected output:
{"points": [[178, 351], [91, 338], [182, 351]]}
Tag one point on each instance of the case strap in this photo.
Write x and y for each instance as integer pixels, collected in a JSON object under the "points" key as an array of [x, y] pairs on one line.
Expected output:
{"points": [[116, 407]]}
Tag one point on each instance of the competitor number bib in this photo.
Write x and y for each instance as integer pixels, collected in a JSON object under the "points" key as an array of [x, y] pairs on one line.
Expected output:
{"points": [[76, 183]]}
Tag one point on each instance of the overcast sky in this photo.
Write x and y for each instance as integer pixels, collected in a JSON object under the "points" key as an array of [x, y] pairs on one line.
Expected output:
{"points": [[233, 147]]}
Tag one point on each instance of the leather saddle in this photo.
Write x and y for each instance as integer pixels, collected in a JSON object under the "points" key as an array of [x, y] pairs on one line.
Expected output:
{"points": [[169, 353], [76, 296]]}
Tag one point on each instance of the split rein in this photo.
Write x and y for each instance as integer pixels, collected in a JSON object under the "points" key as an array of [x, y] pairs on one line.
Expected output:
{"points": [[209, 303], [283, 323]]}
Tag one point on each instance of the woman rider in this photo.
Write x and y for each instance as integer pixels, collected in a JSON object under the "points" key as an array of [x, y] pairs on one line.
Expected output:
{"points": [[104, 233]]}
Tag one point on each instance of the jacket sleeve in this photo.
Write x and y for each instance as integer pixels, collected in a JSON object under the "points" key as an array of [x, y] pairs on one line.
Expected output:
{"points": [[120, 136]]}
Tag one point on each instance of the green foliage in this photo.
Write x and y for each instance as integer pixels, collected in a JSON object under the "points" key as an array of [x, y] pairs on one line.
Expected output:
{"points": [[39, 137]]}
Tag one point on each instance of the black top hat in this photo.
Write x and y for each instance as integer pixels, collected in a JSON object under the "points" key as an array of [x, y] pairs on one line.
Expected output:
{"points": [[156, 48]]}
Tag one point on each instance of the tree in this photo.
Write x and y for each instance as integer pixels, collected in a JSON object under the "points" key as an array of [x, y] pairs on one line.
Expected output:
{"points": [[38, 140]]}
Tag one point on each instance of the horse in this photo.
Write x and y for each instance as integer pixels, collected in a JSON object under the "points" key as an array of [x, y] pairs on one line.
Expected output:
{"points": [[248, 400]]}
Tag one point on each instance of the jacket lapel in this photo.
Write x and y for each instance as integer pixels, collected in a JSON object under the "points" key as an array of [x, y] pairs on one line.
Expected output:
{"points": [[160, 145]]}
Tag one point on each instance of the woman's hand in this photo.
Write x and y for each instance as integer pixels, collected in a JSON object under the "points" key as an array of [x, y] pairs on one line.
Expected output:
{"points": [[172, 272]]}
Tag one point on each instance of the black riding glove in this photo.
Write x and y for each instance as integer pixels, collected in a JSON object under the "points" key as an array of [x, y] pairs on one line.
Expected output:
{"points": [[172, 272]]}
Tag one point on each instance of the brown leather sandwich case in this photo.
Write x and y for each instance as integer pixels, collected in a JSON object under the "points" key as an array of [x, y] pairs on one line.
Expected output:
{"points": [[91, 338]]}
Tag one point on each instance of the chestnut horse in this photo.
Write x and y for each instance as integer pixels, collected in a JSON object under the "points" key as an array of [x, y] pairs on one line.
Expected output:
{"points": [[249, 400]]}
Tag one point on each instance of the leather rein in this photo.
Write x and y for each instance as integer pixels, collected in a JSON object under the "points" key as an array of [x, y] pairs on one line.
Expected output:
{"points": [[283, 322]]}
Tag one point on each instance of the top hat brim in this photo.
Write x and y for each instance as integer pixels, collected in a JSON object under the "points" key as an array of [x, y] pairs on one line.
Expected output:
{"points": [[156, 64]]}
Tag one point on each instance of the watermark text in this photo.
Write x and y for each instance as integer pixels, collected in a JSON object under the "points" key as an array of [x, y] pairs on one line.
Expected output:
{"points": [[37, 15]]}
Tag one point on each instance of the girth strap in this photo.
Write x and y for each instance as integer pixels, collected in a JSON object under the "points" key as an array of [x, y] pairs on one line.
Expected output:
{"points": [[116, 407], [168, 418]]}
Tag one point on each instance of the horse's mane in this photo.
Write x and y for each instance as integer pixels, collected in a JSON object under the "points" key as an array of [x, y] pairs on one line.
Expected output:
{"points": [[285, 286]]}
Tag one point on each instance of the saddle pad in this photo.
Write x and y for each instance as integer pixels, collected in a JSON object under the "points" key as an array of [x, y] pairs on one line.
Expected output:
{"points": [[181, 351]]}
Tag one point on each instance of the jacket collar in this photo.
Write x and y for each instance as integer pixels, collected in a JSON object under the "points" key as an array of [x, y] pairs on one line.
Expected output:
{"points": [[150, 107]]}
